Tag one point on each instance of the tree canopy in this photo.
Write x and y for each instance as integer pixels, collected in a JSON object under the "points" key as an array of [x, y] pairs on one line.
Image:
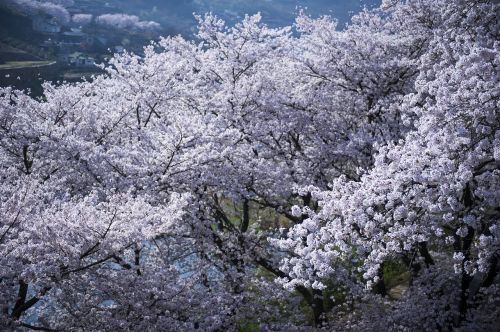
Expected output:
{"points": [[263, 179]]}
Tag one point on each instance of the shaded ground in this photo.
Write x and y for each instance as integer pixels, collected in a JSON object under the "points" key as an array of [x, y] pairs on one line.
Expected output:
{"points": [[398, 286]]}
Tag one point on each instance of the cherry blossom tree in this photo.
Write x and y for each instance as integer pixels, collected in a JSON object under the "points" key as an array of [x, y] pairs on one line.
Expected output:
{"points": [[124, 21], [53, 8], [182, 189], [82, 19], [430, 197]]}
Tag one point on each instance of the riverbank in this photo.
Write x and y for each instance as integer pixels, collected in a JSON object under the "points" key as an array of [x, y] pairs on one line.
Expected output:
{"points": [[31, 76]]}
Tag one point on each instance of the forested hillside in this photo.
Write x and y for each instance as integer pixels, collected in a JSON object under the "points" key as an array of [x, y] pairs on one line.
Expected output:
{"points": [[303, 178]]}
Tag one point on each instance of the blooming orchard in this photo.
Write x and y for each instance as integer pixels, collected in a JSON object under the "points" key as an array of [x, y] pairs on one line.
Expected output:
{"points": [[181, 190]]}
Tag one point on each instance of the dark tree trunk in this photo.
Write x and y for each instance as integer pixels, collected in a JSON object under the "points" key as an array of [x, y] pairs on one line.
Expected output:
{"points": [[379, 287]]}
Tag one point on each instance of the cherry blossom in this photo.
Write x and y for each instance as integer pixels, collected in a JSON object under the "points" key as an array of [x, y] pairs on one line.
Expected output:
{"points": [[262, 178]]}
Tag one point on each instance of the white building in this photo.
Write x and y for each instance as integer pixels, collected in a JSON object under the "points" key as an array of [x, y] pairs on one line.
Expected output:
{"points": [[77, 59]]}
